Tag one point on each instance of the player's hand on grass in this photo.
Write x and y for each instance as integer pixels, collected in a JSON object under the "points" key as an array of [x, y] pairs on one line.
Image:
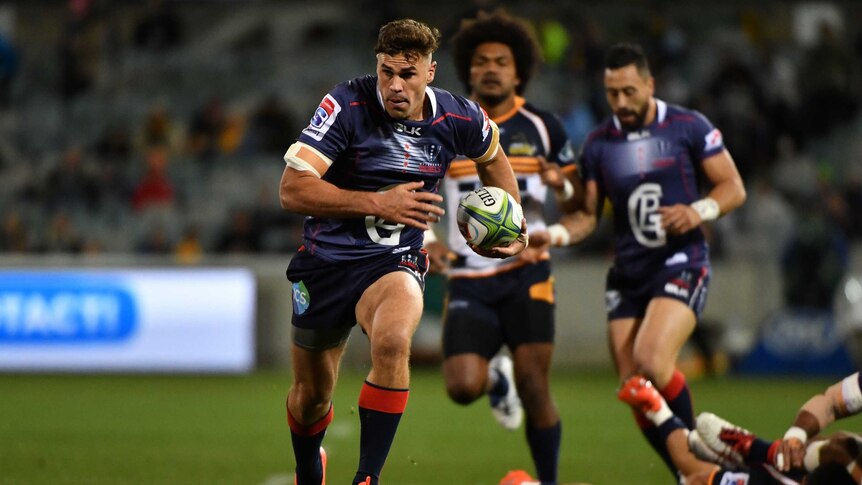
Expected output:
{"points": [[789, 454], [678, 218], [513, 248], [438, 257], [405, 204]]}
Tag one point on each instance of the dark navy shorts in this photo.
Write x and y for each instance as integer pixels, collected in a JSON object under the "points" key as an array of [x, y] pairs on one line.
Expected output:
{"points": [[627, 297], [512, 308], [325, 293]]}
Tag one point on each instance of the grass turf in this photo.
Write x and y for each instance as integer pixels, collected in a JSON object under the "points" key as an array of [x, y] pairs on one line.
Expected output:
{"points": [[131, 429]]}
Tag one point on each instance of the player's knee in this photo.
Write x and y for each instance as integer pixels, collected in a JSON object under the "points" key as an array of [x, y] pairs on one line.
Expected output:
{"points": [[463, 389], [390, 348], [651, 365], [312, 399]]}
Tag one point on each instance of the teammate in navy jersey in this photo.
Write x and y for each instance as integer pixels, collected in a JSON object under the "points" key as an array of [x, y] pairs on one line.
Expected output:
{"points": [[366, 170], [496, 302], [802, 456], [648, 160]]}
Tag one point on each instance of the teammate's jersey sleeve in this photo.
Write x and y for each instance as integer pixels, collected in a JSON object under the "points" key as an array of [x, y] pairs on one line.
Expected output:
{"points": [[329, 130], [705, 139]]}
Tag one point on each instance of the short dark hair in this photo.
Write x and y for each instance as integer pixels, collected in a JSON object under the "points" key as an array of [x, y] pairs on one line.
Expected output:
{"points": [[497, 26], [625, 54], [830, 474], [409, 37]]}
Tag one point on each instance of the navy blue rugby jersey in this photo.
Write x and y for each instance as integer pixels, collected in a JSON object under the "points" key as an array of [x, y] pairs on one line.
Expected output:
{"points": [[370, 151], [641, 170], [526, 133]]}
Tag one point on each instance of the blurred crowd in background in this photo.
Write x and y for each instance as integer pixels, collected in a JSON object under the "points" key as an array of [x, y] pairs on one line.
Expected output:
{"points": [[158, 127]]}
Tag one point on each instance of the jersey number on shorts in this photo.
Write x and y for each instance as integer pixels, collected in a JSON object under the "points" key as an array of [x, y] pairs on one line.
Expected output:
{"points": [[644, 217]]}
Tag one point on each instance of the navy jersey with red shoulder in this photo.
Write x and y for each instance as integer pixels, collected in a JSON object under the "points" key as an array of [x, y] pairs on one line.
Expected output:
{"points": [[641, 170], [369, 151]]}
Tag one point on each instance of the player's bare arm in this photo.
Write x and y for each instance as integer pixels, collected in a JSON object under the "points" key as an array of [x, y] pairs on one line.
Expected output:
{"points": [[498, 172], [582, 222], [438, 253], [817, 413], [727, 194], [303, 191]]}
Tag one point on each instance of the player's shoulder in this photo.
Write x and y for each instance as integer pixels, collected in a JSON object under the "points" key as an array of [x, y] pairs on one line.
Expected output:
{"points": [[675, 113], [357, 89], [550, 119], [448, 102], [602, 132]]}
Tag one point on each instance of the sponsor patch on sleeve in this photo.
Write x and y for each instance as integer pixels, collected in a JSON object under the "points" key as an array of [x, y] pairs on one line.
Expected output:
{"points": [[713, 140], [323, 119], [486, 124]]}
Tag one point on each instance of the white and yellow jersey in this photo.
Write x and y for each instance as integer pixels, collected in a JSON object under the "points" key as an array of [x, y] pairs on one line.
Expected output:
{"points": [[526, 133]]}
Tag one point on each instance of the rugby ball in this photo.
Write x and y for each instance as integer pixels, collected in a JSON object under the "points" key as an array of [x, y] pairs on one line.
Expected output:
{"points": [[489, 217]]}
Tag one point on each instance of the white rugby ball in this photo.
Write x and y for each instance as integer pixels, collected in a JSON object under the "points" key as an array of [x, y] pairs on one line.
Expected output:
{"points": [[489, 217]]}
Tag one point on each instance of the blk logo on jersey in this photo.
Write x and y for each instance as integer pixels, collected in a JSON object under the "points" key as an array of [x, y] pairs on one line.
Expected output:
{"points": [[324, 117], [408, 130]]}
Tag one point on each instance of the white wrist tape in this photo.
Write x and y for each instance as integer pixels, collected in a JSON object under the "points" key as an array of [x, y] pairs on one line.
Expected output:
{"points": [[706, 208], [430, 237], [559, 235], [567, 193], [796, 432], [851, 394]]}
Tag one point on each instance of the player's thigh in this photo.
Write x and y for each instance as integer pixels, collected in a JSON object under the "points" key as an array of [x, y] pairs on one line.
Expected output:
{"points": [[471, 322], [665, 328], [527, 310], [390, 307], [621, 339]]}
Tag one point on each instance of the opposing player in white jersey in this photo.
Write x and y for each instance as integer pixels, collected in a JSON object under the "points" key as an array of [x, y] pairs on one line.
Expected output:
{"points": [[494, 302], [366, 171]]}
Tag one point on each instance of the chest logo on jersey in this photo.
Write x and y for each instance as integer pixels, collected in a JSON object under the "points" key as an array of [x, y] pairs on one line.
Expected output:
{"points": [[430, 164], [521, 146], [644, 218], [407, 130]]}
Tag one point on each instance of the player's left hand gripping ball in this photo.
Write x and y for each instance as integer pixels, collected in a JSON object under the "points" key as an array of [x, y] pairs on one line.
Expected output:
{"points": [[492, 222]]}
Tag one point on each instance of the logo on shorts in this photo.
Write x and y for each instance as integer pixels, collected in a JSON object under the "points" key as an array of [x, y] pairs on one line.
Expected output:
{"points": [[612, 300], [410, 262], [731, 478], [677, 287], [301, 298]]}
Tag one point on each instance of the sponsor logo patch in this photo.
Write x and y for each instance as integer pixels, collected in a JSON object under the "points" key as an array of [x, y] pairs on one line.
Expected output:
{"points": [[713, 140], [324, 117], [301, 298]]}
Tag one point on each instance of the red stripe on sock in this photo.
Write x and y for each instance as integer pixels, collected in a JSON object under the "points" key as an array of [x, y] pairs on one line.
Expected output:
{"points": [[375, 398], [674, 386], [312, 429]]}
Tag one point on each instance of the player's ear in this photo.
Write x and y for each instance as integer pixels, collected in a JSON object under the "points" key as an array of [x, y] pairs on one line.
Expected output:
{"points": [[432, 69]]}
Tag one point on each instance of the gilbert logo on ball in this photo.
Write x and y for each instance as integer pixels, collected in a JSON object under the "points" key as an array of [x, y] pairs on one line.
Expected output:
{"points": [[489, 217]]}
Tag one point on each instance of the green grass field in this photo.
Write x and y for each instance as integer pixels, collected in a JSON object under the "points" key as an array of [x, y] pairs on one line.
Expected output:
{"points": [[121, 429]]}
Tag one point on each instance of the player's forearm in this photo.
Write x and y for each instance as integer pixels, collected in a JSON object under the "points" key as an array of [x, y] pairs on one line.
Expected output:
{"points": [[498, 173], [306, 194], [579, 225], [729, 195]]}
